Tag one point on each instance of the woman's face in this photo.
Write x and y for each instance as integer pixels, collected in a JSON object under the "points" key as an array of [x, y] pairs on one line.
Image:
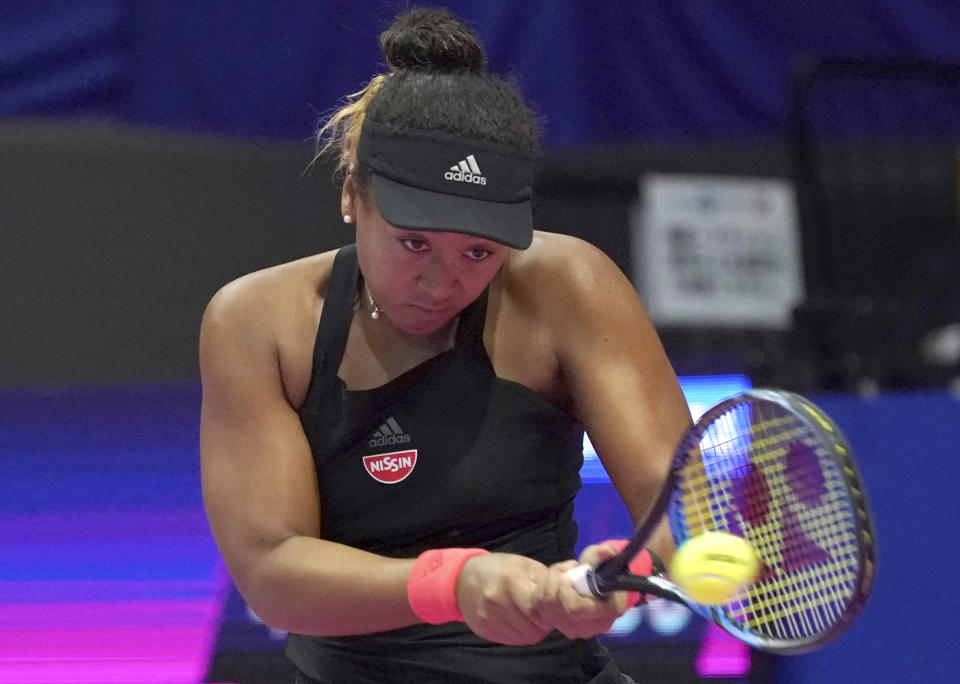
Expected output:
{"points": [[421, 279]]}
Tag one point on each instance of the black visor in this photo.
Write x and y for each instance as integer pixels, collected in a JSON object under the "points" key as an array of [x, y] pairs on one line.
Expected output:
{"points": [[428, 180]]}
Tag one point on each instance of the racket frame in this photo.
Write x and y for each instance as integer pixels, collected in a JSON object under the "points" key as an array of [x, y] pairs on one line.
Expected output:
{"points": [[613, 573]]}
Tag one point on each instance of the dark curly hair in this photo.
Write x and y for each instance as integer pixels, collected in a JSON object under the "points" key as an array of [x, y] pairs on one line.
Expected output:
{"points": [[438, 81]]}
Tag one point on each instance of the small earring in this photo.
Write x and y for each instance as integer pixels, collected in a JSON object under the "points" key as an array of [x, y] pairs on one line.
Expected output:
{"points": [[347, 218]]}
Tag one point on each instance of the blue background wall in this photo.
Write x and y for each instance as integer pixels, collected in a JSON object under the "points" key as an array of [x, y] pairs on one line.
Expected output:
{"points": [[597, 72], [908, 459]]}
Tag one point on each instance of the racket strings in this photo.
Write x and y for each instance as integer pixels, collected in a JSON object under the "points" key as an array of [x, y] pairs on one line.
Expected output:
{"points": [[806, 597], [762, 473]]}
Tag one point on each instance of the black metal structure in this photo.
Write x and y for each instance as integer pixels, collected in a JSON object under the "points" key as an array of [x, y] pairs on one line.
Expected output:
{"points": [[874, 149]]}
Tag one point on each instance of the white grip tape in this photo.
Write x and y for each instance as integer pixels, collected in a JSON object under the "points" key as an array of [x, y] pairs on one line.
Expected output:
{"points": [[580, 578]]}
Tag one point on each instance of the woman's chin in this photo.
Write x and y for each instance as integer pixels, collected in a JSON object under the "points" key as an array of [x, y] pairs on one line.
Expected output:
{"points": [[422, 322]]}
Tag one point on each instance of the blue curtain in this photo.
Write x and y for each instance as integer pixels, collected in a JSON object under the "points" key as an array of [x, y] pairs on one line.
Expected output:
{"points": [[597, 73]]}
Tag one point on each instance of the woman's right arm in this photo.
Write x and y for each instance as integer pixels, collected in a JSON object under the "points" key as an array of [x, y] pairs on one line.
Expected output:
{"points": [[260, 490], [261, 498]]}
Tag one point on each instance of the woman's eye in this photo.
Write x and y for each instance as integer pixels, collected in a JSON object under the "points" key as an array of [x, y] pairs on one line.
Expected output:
{"points": [[415, 245], [478, 253]]}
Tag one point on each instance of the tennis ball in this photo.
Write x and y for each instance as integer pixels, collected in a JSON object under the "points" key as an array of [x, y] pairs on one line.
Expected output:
{"points": [[712, 567]]}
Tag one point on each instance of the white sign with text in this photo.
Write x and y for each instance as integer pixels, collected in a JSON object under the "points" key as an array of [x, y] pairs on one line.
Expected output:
{"points": [[717, 251]]}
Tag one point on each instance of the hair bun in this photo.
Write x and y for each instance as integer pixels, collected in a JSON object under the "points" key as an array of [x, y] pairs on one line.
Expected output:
{"points": [[431, 40]]}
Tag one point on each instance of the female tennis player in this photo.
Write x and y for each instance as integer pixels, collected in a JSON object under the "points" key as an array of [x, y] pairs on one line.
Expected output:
{"points": [[392, 431]]}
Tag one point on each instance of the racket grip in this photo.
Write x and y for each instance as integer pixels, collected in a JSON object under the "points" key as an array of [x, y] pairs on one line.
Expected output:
{"points": [[584, 577], [583, 581]]}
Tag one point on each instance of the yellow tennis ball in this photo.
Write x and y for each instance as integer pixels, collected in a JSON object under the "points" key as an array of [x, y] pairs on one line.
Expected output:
{"points": [[712, 567]]}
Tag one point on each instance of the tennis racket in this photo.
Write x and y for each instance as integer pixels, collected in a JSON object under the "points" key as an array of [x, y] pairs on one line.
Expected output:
{"points": [[770, 467]]}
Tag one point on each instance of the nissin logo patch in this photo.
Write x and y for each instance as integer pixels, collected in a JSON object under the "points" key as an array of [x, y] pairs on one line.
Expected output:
{"points": [[391, 468]]}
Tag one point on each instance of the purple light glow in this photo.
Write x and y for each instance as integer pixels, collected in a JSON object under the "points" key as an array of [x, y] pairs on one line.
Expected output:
{"points": [[722, 655], [70, 614], [93, 671], [106, 641]]}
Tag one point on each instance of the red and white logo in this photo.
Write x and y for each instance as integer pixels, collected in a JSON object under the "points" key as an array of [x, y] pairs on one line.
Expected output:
{"points": [[392, 467]]}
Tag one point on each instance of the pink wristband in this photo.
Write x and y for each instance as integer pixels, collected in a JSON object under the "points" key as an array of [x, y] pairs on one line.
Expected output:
{"points": [[432, 587], [642, 564]]}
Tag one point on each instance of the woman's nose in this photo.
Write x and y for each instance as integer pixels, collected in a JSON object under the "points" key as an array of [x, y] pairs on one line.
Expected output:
{"points": [[439, 278]]}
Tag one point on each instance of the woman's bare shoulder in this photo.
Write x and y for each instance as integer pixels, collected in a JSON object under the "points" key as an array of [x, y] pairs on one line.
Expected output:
{"points": [[276, 290], [558, 268]]}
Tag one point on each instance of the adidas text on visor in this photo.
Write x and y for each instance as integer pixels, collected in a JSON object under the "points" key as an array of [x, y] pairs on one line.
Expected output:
{"points": [[429, 180]]}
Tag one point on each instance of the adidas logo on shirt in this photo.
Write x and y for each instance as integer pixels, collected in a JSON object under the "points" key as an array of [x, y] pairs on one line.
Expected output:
{"points": [[389, 433], [466, 171]]}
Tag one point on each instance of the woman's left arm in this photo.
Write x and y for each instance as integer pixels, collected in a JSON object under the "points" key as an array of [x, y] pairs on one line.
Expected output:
{"points": [[622, 385]]}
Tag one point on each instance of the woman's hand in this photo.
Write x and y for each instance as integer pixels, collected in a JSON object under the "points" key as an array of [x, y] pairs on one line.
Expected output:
{"points": [[559, 606], [497, 594]]}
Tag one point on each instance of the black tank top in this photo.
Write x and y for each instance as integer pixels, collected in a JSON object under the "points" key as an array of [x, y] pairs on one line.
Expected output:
{"points": [[445, 455]]}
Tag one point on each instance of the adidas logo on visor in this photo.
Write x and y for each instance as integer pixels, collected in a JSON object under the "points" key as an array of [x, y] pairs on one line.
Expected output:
{"points": [[389, 433], [467, 171]]}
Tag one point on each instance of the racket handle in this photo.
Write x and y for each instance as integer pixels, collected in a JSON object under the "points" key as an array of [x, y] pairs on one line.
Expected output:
{"points": [[584, 581]]}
